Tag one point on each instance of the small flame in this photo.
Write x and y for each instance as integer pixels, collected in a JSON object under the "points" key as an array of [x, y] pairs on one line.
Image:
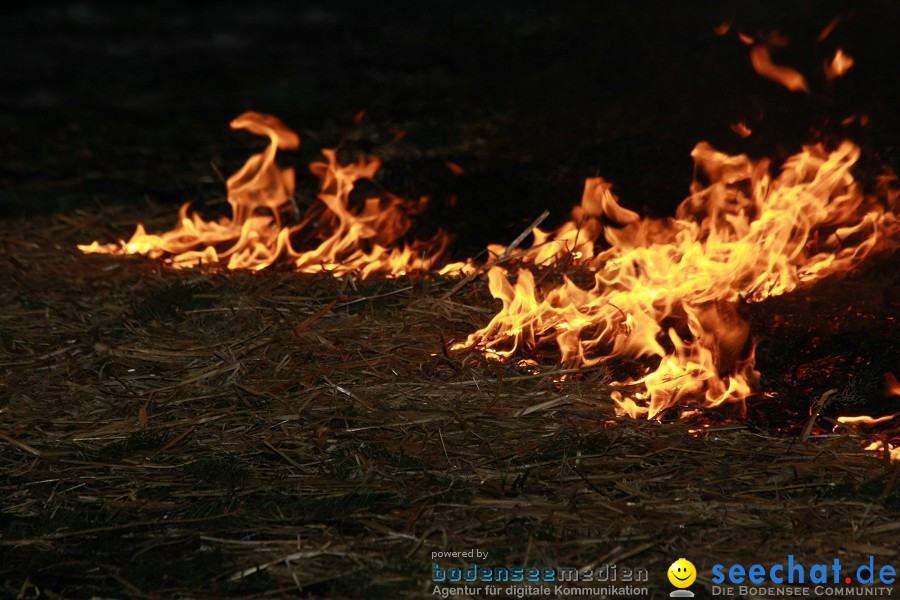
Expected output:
{"points": [[829, 28], [575, 239], [892, 386], [786, 76], [347, 240], [865, 420], [673, 289], [741, 129], [839, 65], [880, 447], [455, 168]]}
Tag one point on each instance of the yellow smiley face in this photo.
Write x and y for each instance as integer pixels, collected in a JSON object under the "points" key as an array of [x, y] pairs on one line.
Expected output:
{"points": [[682, 573]]}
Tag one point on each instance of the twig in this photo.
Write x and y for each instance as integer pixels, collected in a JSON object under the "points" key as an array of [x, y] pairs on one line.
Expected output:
{"points": [[502, 258], [815, 414], [363, 299], [290, 557], [21, 445]]}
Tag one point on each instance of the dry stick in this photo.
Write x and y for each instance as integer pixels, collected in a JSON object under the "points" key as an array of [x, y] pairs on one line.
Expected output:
{"points": [[21, 445], [363, 299], [315, 317], [515, 244], [815, 414]]}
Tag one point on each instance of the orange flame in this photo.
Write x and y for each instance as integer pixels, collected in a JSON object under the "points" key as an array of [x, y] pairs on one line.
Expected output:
{"points": [[839, 65], [741, 129], [362, 241], [786, 76], [575, 239], [673, 289], [722, 28], [828, 28]]}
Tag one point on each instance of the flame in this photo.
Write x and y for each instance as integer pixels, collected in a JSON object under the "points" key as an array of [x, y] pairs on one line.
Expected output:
{"points": [[828, 28], [892, 451], [741, 129], [575, 239], [673, 289], [345, 240], [839, 65], [786, 76], [892, 386], [865, 420]]}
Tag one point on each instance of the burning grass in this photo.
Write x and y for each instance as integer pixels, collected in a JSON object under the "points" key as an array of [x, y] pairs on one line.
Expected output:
{"points": [[672, 288], [333, 236], [220, 433]]}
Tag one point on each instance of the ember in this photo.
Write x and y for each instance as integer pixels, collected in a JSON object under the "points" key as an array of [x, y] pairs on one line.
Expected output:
{"points": [[839, 65]]}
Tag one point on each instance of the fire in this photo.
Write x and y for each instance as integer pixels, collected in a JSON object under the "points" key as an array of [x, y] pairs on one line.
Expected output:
{"points": [[865, 420], [786, 76], [886, 448], [575, 239], [839, 65], [741, 129], [343, 239], [828, 29], [674, 289]]}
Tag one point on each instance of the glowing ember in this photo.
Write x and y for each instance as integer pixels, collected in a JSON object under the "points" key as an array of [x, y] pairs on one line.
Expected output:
{"points": [[741, 129], [673, 289], [839, 65], [575, 239], [865, 420], [669, 291], [362, 240], [828, 28], [786, 76], [893, 452]]}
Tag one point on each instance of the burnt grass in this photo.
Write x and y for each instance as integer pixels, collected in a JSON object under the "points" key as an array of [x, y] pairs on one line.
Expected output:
{"points": [[206, 433]]}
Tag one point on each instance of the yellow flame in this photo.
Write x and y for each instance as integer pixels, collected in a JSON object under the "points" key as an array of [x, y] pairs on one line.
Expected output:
{"points": [[828, 28], [891, 385], [865, 420], [880, 447], [362, 241], [674, 288]]}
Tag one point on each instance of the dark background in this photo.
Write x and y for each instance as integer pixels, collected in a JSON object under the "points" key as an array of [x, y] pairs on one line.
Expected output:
{"points": [[108, 103]]}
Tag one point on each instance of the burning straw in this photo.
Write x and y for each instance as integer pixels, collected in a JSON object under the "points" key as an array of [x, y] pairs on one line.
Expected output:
{"points": [[336, 237]]}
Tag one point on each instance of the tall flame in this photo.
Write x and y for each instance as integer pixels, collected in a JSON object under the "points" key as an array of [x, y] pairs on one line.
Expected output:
{"points": [[347, 240], [674, 288]]}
